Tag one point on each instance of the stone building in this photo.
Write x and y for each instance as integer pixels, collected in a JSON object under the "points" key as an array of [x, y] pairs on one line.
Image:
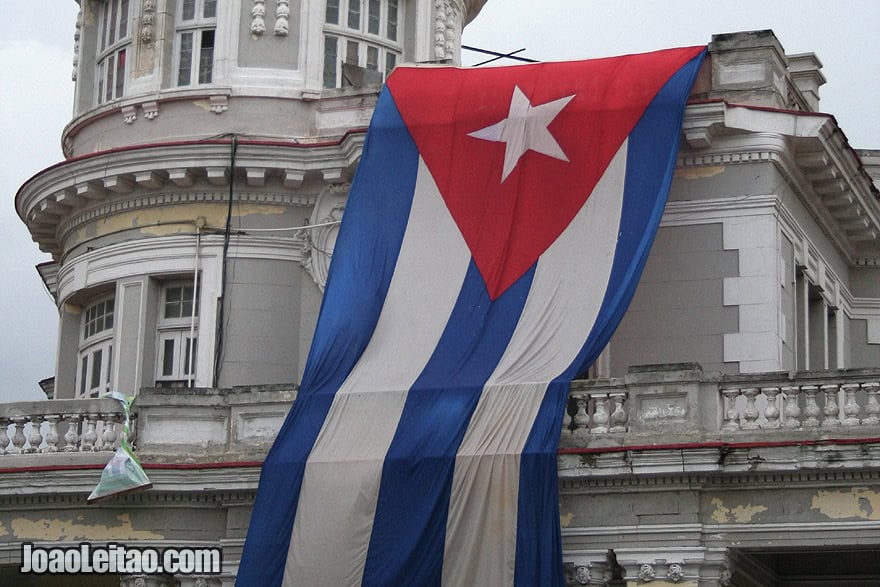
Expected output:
{"points": [[729, 435]]}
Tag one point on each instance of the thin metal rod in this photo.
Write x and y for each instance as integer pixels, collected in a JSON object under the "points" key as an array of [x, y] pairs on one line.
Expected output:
{"points": [[510, 55]]}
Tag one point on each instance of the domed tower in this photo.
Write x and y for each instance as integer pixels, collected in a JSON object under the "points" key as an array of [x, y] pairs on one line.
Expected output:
{"points": [[205, 133]]}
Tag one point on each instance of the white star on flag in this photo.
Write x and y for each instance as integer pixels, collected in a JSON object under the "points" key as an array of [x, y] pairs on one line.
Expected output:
{"points": [[524, 129]]}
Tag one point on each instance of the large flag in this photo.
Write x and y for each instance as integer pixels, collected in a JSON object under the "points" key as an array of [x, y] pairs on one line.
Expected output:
{"points": [[493, 237]]}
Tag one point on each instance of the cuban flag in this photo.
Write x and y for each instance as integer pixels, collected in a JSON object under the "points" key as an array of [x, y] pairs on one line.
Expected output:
{"points": [[493, 237]]}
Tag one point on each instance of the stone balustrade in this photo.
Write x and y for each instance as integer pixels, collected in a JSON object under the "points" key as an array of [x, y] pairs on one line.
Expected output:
{"points": [[684, 404], [680, 403], [60, 426], [829, 405]]}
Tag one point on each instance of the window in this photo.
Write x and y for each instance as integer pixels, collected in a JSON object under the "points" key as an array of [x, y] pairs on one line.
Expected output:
{"points": [[177, 335], [96, 349], [196, 21], [114, 46], [362, 33]]}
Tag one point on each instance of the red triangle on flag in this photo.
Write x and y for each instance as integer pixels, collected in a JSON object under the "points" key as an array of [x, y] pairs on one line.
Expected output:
{"points": [[509, 189]]}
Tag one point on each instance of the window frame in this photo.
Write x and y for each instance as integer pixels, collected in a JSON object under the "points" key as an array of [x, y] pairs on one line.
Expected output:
{"points": [[96, 343], [114, 47], [196, 28], [176, 329], [375, 51]]}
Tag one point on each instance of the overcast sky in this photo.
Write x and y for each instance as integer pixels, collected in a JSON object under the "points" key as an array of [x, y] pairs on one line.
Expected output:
{"points": [[36, 48]]}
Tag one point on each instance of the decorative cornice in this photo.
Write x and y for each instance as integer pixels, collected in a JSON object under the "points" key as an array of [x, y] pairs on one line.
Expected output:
{"points": [[825, 172], [119, 178]]}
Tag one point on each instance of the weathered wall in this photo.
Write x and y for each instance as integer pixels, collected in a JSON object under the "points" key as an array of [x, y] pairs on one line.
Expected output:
{"points": [[262, 321], [677, 313]]}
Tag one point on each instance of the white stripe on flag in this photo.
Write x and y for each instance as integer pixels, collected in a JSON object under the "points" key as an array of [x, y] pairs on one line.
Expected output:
{"points": [[564, 301], [340, 486]]}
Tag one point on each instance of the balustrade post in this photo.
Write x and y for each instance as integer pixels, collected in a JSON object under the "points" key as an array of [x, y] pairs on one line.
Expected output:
{"points": [[566, 417], [851, 408], [832, 410], [618, 416], [90, 436], [18, 438], [4, 437], [108, 438], [35, 438], [52, 436], [728, 405], [811, 408], [750, 413], [771, 412], [872, 406], [791, 410], [581, 418], [72, 435], [601, 415]]}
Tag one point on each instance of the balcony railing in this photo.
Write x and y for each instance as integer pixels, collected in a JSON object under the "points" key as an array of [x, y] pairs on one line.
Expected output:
{"points": [[680, 403], [651, 405], [60, 426]]}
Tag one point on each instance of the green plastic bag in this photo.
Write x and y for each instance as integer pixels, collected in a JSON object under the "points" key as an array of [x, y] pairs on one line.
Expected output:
{"points": [[123, 473]]}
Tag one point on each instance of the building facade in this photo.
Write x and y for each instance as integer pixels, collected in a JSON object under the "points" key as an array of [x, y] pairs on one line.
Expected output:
{"points": [[729, 434]]}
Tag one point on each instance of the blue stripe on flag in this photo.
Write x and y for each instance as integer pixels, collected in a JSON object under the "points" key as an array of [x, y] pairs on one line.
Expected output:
{"points": [[359, 275], [409, 530], [651, 155]]}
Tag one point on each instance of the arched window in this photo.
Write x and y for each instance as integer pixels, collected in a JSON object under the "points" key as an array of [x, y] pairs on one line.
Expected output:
{"points": [[114, 46], [96, 348], [361, 41]]}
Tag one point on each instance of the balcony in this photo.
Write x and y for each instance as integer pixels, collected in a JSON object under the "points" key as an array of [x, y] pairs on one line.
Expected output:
{"points": [[695, 420]]}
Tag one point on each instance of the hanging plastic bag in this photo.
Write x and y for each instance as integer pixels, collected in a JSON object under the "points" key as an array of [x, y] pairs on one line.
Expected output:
{"points": [[123, 473]]}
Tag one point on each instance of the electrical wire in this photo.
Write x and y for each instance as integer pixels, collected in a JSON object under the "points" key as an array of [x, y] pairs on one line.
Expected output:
{"points": [[227, 235]]}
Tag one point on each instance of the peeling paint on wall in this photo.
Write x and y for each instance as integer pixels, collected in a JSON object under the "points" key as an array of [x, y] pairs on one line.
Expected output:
{"points": [[859, 502], [699, 172], [58, 529], [566, 519], [741, 514], [165, 220]]}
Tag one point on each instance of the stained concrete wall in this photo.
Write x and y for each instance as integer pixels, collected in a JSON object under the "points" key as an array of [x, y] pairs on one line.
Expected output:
{"points": [[677, 313], [261, 322]]}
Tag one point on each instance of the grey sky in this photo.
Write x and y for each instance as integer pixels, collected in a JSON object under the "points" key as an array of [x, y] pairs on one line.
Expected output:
{"points": [[36, 49]]}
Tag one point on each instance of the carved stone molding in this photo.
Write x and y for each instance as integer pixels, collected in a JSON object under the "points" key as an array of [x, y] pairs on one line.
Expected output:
{"points": [[258, 17], [147, 17], [219, 104], [647, 573], [447, 16], [77, 33], [282, 18], [151, 110], [129, 114], [320, 241], [674, 572]]}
